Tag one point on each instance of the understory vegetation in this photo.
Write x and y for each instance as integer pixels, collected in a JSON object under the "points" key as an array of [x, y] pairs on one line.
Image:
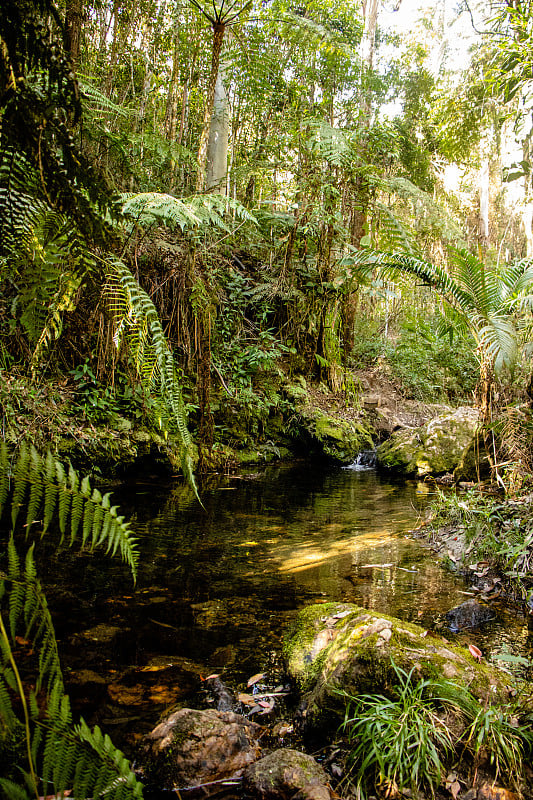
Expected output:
{"points": [[407, 741], [209, 215]]}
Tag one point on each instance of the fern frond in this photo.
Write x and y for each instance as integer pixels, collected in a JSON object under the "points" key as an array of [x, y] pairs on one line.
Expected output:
{"points": [[44, 485], [47, 255], [334, 145], [195, 213], [395, 235], [73, 757], [137, 321]]}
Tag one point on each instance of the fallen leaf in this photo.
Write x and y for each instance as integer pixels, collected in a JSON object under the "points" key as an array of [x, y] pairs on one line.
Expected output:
{"points": [[255, 678], [475, 651], [247, 699]]}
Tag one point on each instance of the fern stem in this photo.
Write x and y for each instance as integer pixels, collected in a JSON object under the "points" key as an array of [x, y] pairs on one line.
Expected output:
{"points": [[22, 696]]}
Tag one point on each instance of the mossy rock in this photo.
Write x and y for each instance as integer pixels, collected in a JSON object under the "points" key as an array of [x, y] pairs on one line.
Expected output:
{"points": [[337, 648], [338, 438], [431, 449]]}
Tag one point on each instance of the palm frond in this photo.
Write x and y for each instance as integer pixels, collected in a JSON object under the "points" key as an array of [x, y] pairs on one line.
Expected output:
{"points": [[498, 338], [395, 264]]}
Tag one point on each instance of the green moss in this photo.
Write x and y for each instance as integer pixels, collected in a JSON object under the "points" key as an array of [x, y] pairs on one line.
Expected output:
{"points": [[335, 648]]}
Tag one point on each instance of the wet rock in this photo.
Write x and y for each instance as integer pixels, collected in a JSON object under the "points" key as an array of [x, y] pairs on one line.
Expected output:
{"points": [[287, 774], [488, 791], [101, 633], [219, 694], [360, 657], [192, 747], [340, 437], [469, 614], [431, 449]]}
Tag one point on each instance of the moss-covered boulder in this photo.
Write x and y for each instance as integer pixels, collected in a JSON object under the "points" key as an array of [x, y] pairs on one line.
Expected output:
{"points": [[339, 436], [431, 449], [336, 648], [283, 773]]}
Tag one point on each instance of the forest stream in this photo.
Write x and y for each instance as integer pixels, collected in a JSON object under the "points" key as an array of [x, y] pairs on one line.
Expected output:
{"points": [[217, 585]]}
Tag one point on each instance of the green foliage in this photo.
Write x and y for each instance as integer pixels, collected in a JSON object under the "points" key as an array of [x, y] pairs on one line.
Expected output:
{"points": [[431, 365], [500, 531], [199, 212], [398, 743], [48, 492], [483, 301], [39, 105], [42, 254], [58, 754], [402, 742], [497, 732], [138, 327]]}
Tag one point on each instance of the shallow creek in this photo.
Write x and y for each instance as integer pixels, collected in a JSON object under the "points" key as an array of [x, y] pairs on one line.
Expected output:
{"points": [[216, 585]]}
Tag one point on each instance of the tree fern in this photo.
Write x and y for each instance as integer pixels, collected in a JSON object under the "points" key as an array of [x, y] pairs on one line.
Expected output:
{"points": [[137, 325], [198, 213]]}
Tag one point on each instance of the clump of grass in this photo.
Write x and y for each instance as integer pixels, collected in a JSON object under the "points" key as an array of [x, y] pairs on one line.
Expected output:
{"points": [[397, 743], [403, 742]]}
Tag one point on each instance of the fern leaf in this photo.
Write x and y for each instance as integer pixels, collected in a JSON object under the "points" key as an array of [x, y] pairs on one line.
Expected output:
{"points": [[153, 357], [4, 476]]}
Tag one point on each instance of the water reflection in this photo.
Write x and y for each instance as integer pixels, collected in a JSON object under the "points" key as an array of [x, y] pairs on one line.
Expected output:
{"points": [[217, 584]]}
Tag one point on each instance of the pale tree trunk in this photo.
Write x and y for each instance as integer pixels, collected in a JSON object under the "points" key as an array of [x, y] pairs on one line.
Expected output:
{"points": [[218, 39], [484, 203], [217, 148], [172, 100], [359, 216]]}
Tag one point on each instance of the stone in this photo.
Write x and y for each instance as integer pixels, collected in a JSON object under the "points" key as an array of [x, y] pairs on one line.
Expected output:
{"points": [[489, 791], [283, 773], [363, 657], [469, 614], [193, 747], [432, 449]]}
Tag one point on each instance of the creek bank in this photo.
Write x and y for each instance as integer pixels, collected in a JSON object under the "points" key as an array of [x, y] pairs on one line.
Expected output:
{"points": [[300, 419], [333, 652], [489, 540]]}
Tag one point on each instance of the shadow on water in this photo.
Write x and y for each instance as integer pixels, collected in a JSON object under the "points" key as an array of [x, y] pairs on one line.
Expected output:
{"points": [[217, 584]]}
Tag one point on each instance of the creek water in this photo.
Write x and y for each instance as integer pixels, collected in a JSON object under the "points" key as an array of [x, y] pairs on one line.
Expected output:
{"points": [[218, 583]]}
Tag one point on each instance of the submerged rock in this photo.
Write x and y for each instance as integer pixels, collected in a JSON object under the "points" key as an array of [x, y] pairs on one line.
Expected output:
{"points": [[192, 747], [431, 449], [469, 614], [336, 649], [283, 773]]}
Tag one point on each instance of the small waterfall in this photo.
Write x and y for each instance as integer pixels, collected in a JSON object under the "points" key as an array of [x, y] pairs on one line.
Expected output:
{"points": [[364, 460]]}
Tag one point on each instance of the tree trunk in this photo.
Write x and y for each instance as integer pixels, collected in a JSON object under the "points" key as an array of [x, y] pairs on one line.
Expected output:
{"points": [[219, 29], [217, 148], [73, 20], [484, 203]]}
